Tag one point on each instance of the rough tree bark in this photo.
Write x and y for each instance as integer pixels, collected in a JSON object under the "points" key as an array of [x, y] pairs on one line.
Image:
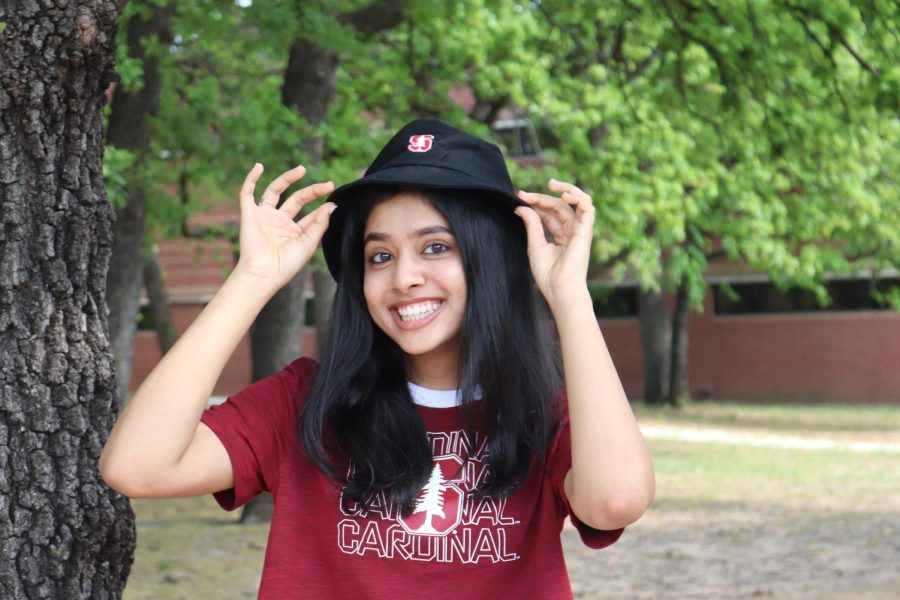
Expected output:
{"points": [[309, 87], [656, 341], [63, 532], [679, 389], [129, 129]]}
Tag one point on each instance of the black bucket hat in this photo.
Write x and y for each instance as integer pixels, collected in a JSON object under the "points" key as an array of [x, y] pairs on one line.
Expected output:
{"points": [[426, 154]]}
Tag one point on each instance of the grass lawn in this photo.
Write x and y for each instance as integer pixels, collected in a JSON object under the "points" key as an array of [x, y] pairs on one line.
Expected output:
{"points": [[815, 498], [191, 549]]}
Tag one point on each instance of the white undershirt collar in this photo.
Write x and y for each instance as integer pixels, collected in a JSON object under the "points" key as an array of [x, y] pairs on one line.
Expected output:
{"points": [[437, 398]]}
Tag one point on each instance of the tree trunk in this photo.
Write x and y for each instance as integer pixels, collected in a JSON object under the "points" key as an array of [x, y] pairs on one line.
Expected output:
{"points": [[679, 390], [158, 296], [656, 341], [309, 87], [276, 339], [277, 331], [324, 287], [129, 129], [123, 283], [63, 532]]}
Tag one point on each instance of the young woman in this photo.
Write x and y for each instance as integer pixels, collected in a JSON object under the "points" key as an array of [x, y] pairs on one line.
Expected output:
{"points": [[439, 446]]}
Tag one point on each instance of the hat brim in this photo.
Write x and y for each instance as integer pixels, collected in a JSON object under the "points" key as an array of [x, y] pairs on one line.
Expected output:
{"points": [[419, 176]]}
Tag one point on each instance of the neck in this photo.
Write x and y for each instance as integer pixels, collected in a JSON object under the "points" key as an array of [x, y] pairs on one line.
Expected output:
{"points": [[434, 372]]}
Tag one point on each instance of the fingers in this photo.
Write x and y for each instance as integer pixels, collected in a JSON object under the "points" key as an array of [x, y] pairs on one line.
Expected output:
{"points": [[554, 213], [301, 198], [315, 223], [552, 227], [557, 212], [295, 202], [573, 196], [533, 228], [249, 185], [282, 182]]}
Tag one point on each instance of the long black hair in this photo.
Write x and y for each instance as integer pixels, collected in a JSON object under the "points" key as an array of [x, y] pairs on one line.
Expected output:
{"points": [[360, 412]]}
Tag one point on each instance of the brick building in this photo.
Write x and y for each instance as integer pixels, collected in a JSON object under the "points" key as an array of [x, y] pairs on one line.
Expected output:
{"points": [[768, 345]]}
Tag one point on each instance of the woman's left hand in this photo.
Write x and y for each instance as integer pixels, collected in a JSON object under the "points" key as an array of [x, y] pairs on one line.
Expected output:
{"points": [[559, 266]]}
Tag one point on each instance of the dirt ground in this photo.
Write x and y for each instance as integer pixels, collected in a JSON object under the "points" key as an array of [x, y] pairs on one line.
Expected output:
{"points": [[743, 551], [737, 521]]}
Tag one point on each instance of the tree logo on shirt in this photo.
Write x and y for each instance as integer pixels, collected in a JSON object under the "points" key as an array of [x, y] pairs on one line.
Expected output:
{"points": [[439, 506]]}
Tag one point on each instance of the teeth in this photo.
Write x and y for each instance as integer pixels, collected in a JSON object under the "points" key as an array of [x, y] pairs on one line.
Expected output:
{"points": [[412, 312]]}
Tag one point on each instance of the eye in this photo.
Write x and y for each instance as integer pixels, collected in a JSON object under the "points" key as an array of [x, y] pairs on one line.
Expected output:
{"points": [[379, 258], [436, 248]]}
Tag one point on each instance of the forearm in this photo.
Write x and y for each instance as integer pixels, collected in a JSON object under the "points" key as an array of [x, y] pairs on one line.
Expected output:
{"points": [[158, 424], [611, 482]]}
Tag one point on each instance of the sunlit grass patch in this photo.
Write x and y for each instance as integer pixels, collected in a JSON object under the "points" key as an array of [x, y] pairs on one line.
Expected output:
{"points": [[818, 478]]}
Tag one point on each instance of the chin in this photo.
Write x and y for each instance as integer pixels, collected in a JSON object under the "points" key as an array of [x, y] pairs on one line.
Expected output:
{"points": [[444, 350]]}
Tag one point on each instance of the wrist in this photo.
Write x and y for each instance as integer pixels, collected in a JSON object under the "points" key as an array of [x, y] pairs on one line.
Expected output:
{"points": [[571, 303], [251, 284]]}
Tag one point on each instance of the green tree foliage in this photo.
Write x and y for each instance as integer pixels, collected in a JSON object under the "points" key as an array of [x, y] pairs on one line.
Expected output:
{"points": [[219, 111], [759, 131], [754, 129], [762, 132]]}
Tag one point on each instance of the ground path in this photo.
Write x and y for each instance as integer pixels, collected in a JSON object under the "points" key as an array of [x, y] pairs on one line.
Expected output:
{"points": [[747, 437]]}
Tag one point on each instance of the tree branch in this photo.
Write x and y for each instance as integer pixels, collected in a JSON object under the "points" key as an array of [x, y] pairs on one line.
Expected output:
{"points": [[643, 65], [376, 17], [835, 32], [711, 50], [859, 59]]}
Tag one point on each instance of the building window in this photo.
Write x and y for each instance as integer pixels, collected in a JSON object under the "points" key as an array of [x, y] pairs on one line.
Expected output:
{"points": [[765, 298], [518, 137], [614, 302]]}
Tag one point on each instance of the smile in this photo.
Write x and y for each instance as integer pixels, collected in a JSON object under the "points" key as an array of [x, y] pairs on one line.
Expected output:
{"points": [[418, 311]]}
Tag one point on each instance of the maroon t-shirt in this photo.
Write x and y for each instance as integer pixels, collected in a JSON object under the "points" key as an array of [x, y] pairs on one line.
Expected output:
{"points": [[451, 545]]}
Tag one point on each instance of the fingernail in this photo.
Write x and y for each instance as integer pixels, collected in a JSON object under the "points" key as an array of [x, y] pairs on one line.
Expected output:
{"points": [[331, 210], [258, 165]]}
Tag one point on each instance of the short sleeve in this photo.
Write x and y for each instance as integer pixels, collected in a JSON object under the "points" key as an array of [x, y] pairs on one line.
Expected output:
{"points": [[257, 426], [559, 464]]}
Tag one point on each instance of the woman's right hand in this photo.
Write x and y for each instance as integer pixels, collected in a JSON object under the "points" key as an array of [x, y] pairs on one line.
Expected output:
{"points": [[273, 247]]}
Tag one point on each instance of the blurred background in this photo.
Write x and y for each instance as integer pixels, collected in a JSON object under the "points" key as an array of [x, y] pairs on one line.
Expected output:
{"points": [[743, 158]]}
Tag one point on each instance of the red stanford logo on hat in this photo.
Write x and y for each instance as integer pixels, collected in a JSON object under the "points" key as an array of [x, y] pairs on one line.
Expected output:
{"points": [[420, 143]]}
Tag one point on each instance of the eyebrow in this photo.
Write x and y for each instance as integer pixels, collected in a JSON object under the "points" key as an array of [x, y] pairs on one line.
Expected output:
{"points": [[383, 237]]}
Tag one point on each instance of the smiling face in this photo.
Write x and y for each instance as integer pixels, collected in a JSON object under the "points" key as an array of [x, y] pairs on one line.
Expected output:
{"points": [[415, 285]]}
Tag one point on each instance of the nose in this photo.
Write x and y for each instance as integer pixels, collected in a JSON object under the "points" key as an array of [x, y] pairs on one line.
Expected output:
{"points": [[408, 272]]}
